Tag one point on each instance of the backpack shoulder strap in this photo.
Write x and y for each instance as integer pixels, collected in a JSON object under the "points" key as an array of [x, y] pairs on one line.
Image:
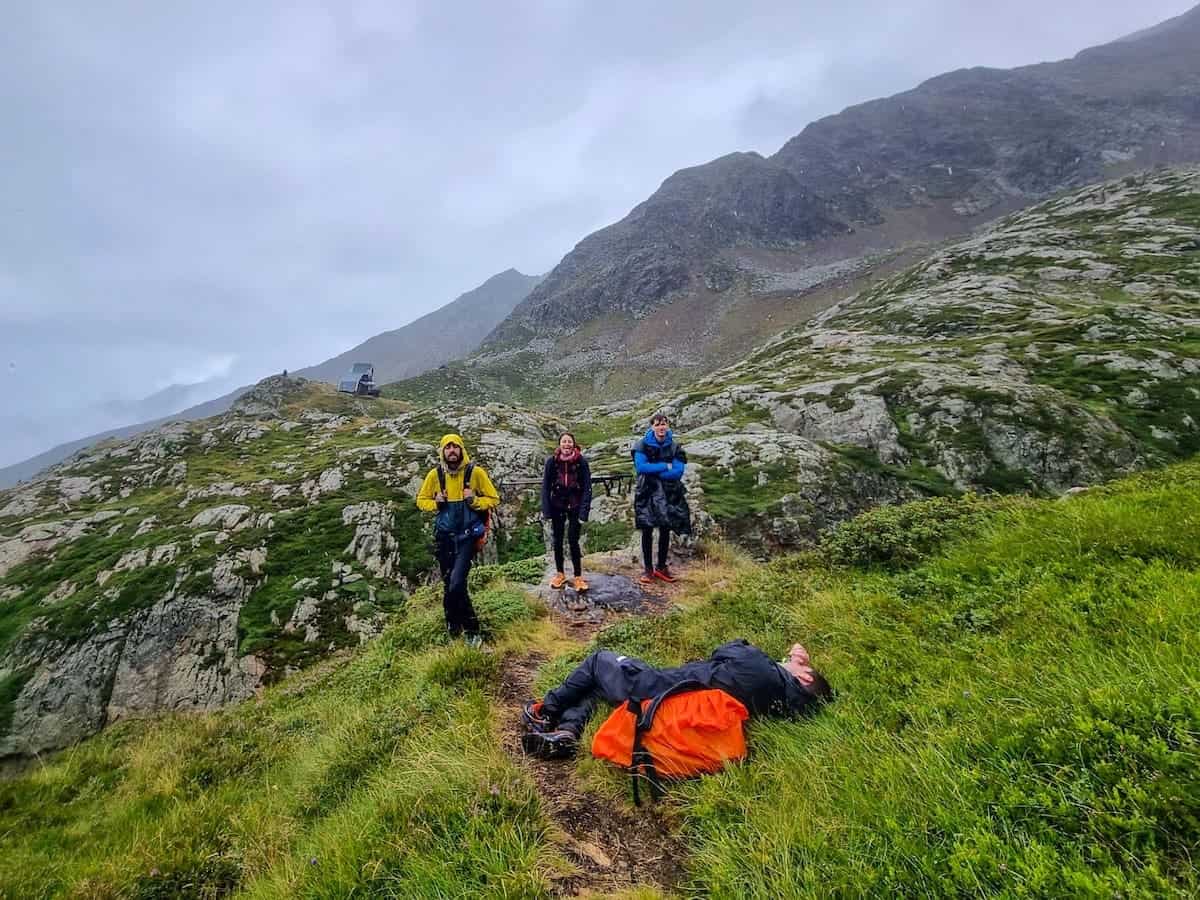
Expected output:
{"points": [[467, 472], [441, 478], [642, 763]]}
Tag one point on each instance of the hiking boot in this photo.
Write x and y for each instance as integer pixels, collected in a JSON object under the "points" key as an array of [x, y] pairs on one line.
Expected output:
{"points": [[532, 717], [559, 581], [559, 744], [647, 577], [580, 584], [664, 574], [474, 641]]}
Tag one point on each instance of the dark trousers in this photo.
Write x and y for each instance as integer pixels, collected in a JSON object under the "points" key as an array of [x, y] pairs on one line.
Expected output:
{"points": [[570, 520], [454, 555], [614, 678], [664, 543]]}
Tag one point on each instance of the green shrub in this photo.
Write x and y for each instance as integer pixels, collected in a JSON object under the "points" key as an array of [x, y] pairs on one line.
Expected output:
{"points": [[904, 534], [525, 571], [525, 542]]}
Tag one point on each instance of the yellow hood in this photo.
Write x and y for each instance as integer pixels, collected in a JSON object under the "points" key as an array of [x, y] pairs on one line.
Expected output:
{"points": [[453, 439]]}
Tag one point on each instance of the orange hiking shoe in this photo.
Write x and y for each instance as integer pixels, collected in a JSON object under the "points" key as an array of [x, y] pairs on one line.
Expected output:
{"points": [[647, 577], [664, 574], [559, 580], [580, 584]]}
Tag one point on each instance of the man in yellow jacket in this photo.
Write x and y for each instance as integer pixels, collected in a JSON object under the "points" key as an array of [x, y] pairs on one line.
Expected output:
{"points": [[461, 508]]}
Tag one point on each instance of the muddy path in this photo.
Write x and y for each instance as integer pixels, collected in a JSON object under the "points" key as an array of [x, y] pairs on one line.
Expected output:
{"points": [[613, 846]]}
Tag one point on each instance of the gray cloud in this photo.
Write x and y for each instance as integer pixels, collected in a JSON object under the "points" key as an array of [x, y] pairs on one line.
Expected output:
{"points": [[212, 192]]}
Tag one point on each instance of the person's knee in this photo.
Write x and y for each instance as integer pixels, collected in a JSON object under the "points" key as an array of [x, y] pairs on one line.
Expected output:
{"points": [[602, 659]]}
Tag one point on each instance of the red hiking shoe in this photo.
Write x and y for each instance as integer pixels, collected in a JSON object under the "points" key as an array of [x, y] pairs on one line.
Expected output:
{"points": [[532, 717], [664, 574]]}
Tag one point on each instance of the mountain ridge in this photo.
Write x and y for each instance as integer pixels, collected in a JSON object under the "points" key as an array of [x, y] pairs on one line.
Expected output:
{"points": [[851, 189], [424, 343]]}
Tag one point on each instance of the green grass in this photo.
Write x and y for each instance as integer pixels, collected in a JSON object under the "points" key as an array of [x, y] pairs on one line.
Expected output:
{"points": [[1017, 714], [602, 536], [738, 495], [381, 777], [305, 543], [922, 478], [80, 561], [523, 542]]}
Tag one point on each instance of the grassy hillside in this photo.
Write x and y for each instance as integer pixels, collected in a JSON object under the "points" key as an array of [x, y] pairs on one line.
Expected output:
{"points": [[1018, 713]]}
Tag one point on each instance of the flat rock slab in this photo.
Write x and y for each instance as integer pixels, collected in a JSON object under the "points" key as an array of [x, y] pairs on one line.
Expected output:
{"points": [[617, 593]]}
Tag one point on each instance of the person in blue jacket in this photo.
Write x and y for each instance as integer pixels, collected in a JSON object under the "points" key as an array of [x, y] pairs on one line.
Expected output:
{"points": [[659, 499]]}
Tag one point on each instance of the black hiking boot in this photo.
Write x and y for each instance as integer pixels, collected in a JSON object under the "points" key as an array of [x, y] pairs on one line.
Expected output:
{"points": [[559, 744]]}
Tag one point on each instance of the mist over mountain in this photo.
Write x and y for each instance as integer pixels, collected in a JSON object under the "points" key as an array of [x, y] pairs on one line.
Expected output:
{"points": [[449, 332]]}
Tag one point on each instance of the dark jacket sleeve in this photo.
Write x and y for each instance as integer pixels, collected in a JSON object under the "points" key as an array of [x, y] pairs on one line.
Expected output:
{"points": [[585, 481], [548, 475], [762, 684]]}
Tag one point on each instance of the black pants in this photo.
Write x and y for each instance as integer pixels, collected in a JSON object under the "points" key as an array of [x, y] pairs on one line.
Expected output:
{"points": [[664, 544], [454, 555], [570, 519], [614, 678]]}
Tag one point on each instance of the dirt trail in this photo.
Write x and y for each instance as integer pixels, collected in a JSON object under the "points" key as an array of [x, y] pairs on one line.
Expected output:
{"points": [[613, 846]]}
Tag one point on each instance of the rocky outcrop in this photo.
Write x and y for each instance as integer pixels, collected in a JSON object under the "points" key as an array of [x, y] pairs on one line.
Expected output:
{"points": [[373, 545], [182, 655], [66, 696]]}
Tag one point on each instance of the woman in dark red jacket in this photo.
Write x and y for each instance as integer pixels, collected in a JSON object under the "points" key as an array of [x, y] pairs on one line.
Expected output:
{"points": [[566, 502]]}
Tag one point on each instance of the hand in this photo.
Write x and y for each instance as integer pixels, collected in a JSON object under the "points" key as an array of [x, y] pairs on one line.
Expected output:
{"points": [[468, 493], [440, 497]]}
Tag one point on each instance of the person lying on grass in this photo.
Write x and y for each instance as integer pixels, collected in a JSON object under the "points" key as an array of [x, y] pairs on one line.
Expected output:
{"points": [[790, 687]]}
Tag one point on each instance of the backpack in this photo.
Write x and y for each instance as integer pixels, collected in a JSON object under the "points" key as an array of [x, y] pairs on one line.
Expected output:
{"points": [[483, 525], [689, 729]]}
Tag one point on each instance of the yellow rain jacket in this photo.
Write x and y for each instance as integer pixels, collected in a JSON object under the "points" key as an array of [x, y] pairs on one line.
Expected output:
{"points": [[452, 515]]}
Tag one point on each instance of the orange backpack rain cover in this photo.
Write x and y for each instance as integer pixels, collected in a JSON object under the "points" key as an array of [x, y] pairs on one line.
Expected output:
{"points": [[692, 733]]}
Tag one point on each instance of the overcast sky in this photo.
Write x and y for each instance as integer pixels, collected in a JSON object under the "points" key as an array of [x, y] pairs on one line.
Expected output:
{"points": [[211, 192]]}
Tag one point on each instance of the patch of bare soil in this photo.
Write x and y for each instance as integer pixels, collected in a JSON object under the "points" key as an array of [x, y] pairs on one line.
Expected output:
{"points": [[612, 848]]}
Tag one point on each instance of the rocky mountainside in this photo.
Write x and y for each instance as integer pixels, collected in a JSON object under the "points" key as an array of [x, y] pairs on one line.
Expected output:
{"points": [[186, 567], [444, 334], [726, 253]]}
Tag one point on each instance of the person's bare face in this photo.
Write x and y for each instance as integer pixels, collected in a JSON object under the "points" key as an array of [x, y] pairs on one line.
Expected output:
{"points": [[452, 454], [798, 663], [566, 443], [660, 430]]}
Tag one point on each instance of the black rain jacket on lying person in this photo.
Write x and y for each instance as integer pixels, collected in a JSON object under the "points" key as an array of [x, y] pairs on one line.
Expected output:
{"points": [[740, 669], [763, 685]]}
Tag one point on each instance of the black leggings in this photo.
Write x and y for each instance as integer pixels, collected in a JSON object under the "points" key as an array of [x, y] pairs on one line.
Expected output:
{"points": [[664, 543], [570, 518]]}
